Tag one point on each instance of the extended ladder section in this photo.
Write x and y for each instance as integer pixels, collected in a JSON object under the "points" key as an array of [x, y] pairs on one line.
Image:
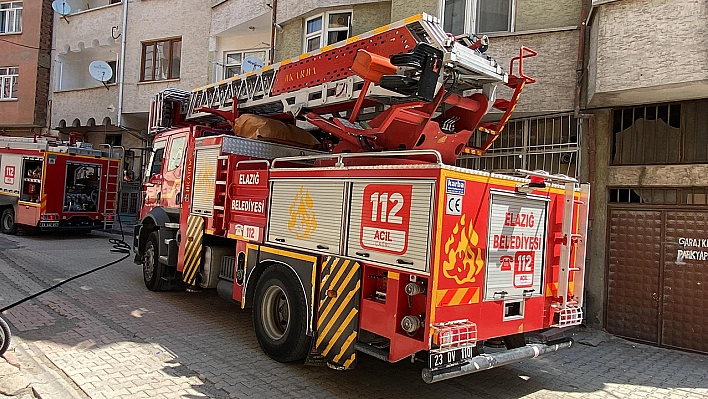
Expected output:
{"points": [[408, 85]]}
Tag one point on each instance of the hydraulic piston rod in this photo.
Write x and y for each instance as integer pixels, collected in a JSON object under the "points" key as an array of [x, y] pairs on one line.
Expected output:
{"points": [[488, 361]]}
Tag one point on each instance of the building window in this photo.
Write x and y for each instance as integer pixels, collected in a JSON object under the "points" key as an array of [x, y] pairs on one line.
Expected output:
{"points": [[161, 60], [11, 17], [325, 29], [661, 134], [478, 16], [114, 140], [8, 83], [234, 62]]}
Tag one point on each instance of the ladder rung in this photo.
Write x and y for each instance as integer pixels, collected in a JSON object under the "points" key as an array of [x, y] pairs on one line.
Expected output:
{"points": [[219, 207], [222, 157], [574, 269], [579, 202], [220, 182]]}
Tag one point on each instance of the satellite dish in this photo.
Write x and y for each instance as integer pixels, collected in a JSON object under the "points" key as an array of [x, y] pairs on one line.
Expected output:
{"points": [[101, 71], [251, 63], [61, 7]]}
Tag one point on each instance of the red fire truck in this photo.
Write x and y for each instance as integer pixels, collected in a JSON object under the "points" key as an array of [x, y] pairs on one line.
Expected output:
{"points": [[52, 184], [358, 234]]}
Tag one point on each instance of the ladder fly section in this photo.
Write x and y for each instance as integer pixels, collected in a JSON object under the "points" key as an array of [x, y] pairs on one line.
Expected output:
{"points": [[323, 77], [404, 86]]}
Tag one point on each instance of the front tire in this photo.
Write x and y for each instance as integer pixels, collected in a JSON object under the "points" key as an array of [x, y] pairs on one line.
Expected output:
{"points": [[153, 270], [4, 336], [280, 316], [7, 222]]}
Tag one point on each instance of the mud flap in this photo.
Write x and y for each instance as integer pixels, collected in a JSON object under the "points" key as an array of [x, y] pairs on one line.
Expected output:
{"points": [[193, 249], [338, 312]]}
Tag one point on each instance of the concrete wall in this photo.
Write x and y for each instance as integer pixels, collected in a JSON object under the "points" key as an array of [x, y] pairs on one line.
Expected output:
{"points": [[23, 112], [648, 51], [553, 68], [365, 17], [84, 104], [152, 20], [85, 38], [545, 14], [291, 9], [402, 9]]}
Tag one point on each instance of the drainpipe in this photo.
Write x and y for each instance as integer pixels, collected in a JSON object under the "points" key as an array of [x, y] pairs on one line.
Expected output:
{"points": [[272, 32], [580, 63], [122, 63]]}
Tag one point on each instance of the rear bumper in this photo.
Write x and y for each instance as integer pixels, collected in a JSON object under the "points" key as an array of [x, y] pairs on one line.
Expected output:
{"points": [[72, 223], [488, 361]]}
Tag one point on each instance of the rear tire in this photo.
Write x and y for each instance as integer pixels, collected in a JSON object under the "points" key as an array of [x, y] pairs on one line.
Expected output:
{"points": [[153, 270], [7, 222], [4, 336], [280, 316]]}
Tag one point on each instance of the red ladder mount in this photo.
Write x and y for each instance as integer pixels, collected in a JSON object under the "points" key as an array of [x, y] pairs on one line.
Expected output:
{"points": [[517, 83]]}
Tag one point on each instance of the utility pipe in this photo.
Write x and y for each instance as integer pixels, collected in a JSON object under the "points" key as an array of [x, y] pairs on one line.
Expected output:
{"points": [[122, 64]]}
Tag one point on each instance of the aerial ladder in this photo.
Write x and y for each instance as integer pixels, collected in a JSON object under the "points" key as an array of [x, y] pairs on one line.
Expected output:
{"points": [[408, 85]]}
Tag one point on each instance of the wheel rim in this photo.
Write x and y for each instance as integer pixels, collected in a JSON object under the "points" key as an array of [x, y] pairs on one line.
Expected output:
{"points": [[149, 262], [275, 309]]}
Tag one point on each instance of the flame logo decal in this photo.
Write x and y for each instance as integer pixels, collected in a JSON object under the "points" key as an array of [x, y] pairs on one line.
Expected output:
{"points": [[463, 262], [302, 220]]}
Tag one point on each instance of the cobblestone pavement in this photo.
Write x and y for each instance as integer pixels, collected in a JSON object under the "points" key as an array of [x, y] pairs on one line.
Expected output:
{"points": [[106, 336]]}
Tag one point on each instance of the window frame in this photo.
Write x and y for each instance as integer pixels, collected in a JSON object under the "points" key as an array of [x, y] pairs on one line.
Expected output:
{"points": [[14, 12], [472, 14], [153, 43], [242, 53], [14, 78], [325, 30]]}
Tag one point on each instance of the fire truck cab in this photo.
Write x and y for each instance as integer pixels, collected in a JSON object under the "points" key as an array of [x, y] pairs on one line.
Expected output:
{"points": [[359, 235]]}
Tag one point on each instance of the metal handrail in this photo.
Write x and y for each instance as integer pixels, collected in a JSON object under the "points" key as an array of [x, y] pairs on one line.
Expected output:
{"points": [[547, 176], [341, 156]]}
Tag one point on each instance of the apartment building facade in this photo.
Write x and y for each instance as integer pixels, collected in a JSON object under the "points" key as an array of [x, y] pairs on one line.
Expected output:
{"points": [[646, 77], [25, 48]]}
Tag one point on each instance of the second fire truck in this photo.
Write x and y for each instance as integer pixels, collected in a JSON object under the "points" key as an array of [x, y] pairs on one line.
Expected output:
{"points": [[358, 235]]}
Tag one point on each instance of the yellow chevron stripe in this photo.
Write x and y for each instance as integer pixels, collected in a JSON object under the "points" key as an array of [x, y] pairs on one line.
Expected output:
{"points": [[458, 297], [327, 48], [350, 360], [381, 29], [340, 330], [352, 39], [345, 346], [394, 275], [413, 19], [332, 285], [335, 316]]}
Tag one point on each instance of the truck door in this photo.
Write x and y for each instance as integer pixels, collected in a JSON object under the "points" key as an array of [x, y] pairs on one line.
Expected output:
{"points": [[172, 172], [153, 177]]}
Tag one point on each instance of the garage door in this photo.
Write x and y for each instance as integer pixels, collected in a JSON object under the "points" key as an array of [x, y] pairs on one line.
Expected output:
{"points": [[657, 288]]}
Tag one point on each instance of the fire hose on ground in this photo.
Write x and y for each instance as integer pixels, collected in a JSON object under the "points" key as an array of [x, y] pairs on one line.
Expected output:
{"points": [[119, 246]]}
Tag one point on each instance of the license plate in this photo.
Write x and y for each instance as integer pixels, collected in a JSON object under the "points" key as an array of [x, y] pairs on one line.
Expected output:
{"points": [[50, 224], [451, 357]]}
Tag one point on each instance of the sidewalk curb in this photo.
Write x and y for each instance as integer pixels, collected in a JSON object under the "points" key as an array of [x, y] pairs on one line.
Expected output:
{"points": [[46, 380]]}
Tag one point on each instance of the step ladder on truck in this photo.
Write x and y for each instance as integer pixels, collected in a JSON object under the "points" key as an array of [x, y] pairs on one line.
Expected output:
{"points": [[51, 184], [359, 235]]}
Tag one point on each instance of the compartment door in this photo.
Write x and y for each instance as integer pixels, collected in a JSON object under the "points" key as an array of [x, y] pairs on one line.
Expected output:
{"points": [[516, 246]]}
